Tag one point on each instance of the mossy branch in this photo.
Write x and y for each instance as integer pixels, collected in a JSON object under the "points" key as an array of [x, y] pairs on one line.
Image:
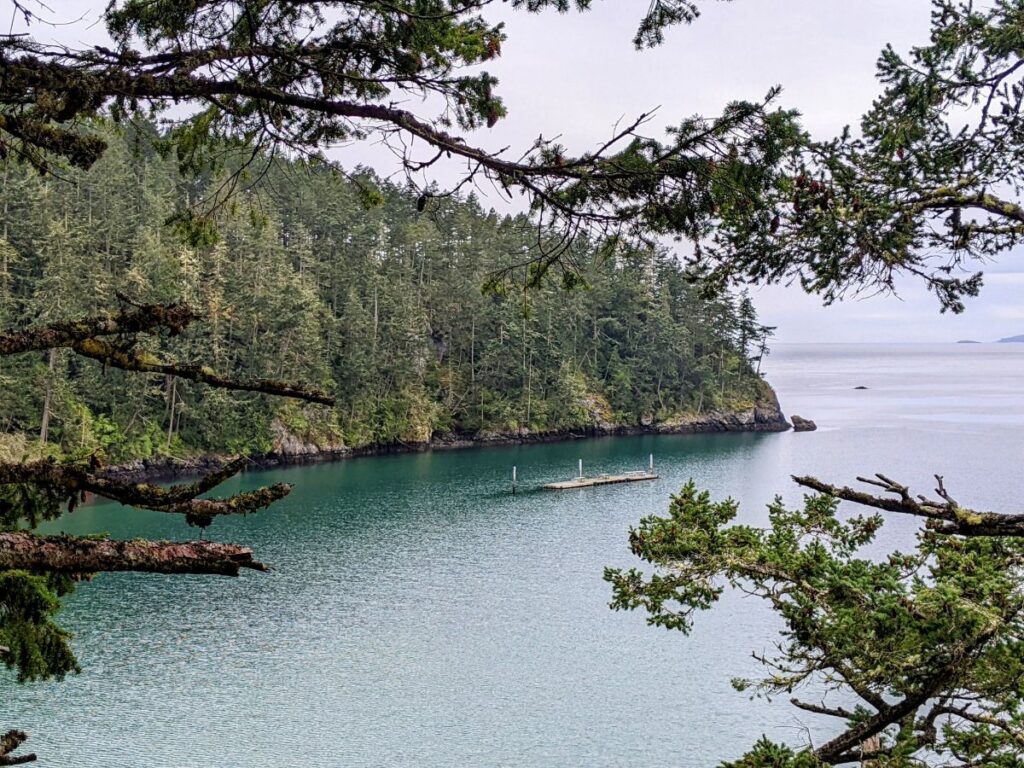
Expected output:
{"points": [[143, 318], [141, 362], [20, 550], [72, 480], [946, 516]]}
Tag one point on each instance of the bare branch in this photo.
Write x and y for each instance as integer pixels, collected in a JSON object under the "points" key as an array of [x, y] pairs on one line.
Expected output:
{"points": [[821, 709], [945, 516]]}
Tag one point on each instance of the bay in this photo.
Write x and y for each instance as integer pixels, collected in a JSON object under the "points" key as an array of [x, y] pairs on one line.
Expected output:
{"points": [[419, 614]]}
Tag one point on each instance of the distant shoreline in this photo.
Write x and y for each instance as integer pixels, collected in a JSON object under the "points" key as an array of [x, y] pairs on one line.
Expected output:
{"points": [[998, 342]]}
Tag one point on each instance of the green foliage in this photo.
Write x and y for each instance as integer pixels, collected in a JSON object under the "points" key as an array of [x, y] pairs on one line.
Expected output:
{"points": [[930, 187], [927, 642], [381, 305], [365, 53], [30, 641]]}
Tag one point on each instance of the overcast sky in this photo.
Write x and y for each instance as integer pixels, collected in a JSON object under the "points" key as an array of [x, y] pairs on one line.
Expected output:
{"points": [[576, 75]]}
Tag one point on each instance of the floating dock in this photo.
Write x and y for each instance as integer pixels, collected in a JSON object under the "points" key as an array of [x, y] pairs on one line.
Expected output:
{"points": [[590, 482]]}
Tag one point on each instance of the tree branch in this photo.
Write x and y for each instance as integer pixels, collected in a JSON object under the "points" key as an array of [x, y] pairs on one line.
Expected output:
{"points": [[945, 516], [144, 318], [132, 360], [947, 200], [837, 750], [9, 742], [72, 479], [82, 337], [821, 709], [77, 555]]}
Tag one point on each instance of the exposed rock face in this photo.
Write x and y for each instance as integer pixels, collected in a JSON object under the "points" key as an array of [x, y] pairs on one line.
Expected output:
{"points": [[287, 443], [761, 418], [288, 448], [599, 411], [803, 425]]}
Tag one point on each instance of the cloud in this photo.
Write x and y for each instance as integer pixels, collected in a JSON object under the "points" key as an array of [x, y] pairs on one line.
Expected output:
{"points": [[1004, 312]]}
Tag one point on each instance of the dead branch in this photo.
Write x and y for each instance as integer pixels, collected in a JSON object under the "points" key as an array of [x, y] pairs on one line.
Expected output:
{"points": [[946, 516]]}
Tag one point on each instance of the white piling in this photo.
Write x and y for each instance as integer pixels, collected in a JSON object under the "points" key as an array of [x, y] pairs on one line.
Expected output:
{"points": [[652, 463], [581, 467], [513, 479]]}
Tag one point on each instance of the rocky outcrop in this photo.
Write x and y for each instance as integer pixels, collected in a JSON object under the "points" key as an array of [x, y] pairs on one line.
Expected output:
{"points": [[289, 448], [803, 425], [289, 445]]}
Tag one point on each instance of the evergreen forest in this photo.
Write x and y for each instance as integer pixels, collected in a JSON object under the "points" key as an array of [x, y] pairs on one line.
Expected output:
{"points": [[409, 310]]}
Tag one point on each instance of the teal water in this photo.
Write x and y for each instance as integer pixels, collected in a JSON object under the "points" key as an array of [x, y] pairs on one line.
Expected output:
{"points": [[418, 614]]}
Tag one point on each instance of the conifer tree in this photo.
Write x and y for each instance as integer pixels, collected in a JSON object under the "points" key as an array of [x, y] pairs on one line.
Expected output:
{"points": [[928, 188], [916, 656]]}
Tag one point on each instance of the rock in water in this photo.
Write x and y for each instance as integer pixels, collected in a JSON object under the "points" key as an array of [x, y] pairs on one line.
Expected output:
{"points": [[802, 425]]}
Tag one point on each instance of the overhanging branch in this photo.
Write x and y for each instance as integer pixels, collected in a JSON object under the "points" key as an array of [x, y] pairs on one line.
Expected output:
{"points": [[83, 336], [945, 516], [133, 360], [144, 318], [71, 480], [77, 555]]}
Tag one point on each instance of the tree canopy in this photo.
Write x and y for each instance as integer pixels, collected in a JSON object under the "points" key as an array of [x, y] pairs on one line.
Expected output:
{"points": [[300, 76], [928, 187], [916, 654]]}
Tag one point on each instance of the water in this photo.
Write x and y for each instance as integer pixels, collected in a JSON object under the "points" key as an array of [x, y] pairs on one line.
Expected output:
{"points": [[418, 614]]}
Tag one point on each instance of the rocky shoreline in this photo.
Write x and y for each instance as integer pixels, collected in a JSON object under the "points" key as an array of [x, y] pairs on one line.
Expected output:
{"points": [[765, 416]]}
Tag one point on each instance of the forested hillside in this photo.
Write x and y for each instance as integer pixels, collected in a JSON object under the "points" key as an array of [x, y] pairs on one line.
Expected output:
{"points": [[344, 284]]}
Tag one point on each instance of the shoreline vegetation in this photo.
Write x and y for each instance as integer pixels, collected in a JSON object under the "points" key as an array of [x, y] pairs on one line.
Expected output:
{"points": [[764, 415]]}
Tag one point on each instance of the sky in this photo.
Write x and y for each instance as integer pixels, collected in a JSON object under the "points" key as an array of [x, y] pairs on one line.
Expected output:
{"points": [[576, 75]]}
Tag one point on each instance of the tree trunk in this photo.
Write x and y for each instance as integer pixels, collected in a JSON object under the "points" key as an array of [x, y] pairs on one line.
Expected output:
{"points": [[376, 321], [44, 428], [65, 554], [170, 420]]}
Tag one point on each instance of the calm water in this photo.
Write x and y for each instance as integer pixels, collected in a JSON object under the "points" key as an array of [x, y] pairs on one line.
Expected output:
{"points": [[420, 615]]}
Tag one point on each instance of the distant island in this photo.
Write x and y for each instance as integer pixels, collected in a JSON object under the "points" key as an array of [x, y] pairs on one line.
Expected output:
{"points": [[1007, 340]]}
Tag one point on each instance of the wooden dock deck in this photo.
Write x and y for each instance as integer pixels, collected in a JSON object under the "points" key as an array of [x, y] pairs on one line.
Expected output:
{"points": [[590, 482]]}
